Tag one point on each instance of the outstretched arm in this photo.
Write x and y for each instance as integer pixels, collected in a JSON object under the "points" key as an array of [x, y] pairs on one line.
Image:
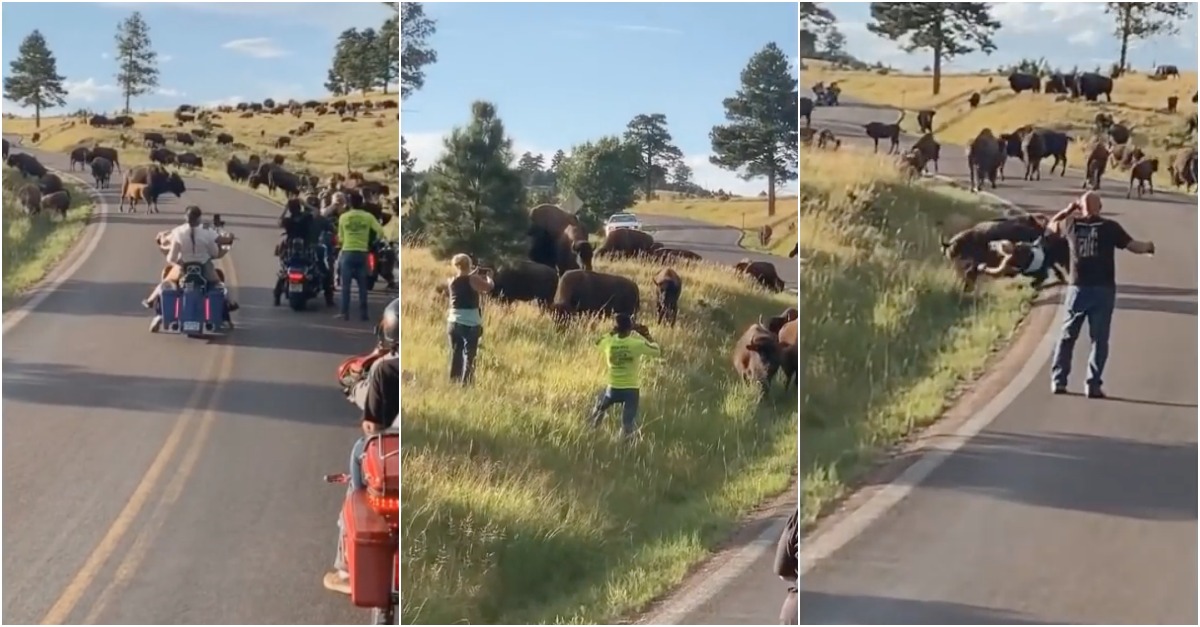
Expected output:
{"points": [[1007, 266], [1140, 248]]}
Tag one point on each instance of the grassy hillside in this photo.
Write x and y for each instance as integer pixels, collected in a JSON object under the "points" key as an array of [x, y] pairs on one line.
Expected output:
{"points": [[887, 335], [330, 147], [515, 512], [32, 245], [746, 214], [1138, 102]]}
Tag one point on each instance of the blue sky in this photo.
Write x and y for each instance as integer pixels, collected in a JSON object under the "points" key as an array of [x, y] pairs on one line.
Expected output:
{"points": [[208, 52], [1065, 33], [563, 73]]}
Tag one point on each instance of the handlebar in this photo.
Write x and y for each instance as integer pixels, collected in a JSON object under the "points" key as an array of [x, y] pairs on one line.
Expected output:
{"points": [[338, 478]]}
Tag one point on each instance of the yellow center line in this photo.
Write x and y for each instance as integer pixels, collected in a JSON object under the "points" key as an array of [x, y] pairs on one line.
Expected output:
{"points": [[217, 370]]}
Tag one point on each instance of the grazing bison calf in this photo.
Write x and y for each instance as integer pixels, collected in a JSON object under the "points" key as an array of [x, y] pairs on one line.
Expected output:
{"points": [[763, 272], [1143, 173], [670, 286], [58, 202], [757, 356]]}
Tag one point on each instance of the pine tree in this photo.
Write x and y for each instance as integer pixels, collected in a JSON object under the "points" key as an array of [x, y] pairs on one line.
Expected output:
{"points": [[475, 200], [604, 175], [34, 80], [137, 71], [415, 51], [948, 29], [1142, 20], [407, 164], [656, 150], [388, 63], [762, 137]]}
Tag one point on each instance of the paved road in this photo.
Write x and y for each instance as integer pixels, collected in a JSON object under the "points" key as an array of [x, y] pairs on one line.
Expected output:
{"points": [[160, 480], [1064, 510], [716, 243]]}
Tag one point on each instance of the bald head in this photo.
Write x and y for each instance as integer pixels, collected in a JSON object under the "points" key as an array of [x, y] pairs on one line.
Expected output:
{"points": [[1090, 203]]}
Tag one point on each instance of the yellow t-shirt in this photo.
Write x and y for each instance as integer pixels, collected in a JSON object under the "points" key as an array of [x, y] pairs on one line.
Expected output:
{"points": [[623, 355], [354, 230]]}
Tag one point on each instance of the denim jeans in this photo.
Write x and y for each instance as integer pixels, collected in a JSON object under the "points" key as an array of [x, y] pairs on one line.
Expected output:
{"points": [[353, 268], [628, 399], [1095, 306], [464, 346]]}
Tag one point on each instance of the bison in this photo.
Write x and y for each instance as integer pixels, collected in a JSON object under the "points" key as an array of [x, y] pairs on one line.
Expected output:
{"points": [[107, 153], [971, 247], [669, 285], [81, 156], [1143, 174], [884, 130], [525, 281], [148, 182], [763, 272], [101, 172], [757, 356], [558, 240], [1097, 163], [983, 159], [26, 164], [1020, 81], [58, 202], [594, 293], [626, 242], [1183, 169]]}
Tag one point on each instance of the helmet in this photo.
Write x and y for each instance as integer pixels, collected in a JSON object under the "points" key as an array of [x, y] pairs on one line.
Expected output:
{"points": [[388, 330]]}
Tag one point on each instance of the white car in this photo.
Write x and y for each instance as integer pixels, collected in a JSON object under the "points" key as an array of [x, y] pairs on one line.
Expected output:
{"points": [[622, 221]]}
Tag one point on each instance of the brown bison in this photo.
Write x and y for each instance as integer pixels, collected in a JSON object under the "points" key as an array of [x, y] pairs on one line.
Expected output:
{"points": [[58, 202], [925, 120], [763, 272], [101, 172], [1143, 174], [1183, 169], [789, 340], [81, 156], [558, 240], [148, 182], [983, 159], [526, 281], [594, 293], [26, 164], [670, 286], [971, 247], [107, 153], [626, 242], [668, 255], [31, 198], [1097, 163], [757, 356], [885, 130]]}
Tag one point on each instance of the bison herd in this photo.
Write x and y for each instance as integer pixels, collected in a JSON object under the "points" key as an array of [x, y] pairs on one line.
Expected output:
{"points": [[560, 277], [45, 193]]}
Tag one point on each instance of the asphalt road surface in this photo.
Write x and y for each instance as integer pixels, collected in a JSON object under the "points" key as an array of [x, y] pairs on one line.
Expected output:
{"points": [[1063, 510], [715, 243], [153, 479]]}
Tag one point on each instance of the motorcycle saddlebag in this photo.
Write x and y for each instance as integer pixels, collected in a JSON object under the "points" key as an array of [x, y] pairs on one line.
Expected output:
{"points": [[171, 305], [381, 466], [371, 552], [214, 312]]}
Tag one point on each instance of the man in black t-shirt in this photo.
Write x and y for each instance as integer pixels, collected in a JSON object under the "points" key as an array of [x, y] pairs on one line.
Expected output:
{"points": [[1092, 292]]}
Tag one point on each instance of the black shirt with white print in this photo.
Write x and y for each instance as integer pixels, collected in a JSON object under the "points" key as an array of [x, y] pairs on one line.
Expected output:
{"points": [[1094, 242], [382, 405]]}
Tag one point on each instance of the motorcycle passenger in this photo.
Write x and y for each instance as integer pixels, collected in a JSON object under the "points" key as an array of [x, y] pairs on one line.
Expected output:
{"points": [[381, 412], [322, 231], [355, 227], [190, 242]]}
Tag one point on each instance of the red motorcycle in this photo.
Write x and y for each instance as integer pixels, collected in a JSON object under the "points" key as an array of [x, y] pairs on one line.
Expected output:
{"points": [[371, 530]]}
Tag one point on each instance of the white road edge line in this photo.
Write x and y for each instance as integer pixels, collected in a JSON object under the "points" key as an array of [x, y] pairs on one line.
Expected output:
{"points": [[59, 275], [830, 540]]}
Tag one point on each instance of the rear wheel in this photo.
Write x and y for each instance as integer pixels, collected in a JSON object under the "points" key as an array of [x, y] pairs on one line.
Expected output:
{"points": [[297, 302]]}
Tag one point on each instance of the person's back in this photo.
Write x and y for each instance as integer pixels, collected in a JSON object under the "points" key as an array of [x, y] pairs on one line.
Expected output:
{"points": [[192, 244], [298, 225], [623, 355], [355, 228]]}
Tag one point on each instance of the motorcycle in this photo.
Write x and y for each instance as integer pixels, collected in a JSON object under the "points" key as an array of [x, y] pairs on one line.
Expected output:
{"points": [[301, 278], [195, 308], [371, 529], [381, 263], [353, 371]]}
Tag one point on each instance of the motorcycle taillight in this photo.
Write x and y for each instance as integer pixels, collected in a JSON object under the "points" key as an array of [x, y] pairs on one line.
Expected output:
{"points": [[295, 276], [383, 505]]}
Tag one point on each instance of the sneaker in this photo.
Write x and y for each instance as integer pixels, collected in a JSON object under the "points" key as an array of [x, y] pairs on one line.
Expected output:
{"points": [[337, 581], [156, 324], [1058, 389], [148, 303], [1096, 393]]}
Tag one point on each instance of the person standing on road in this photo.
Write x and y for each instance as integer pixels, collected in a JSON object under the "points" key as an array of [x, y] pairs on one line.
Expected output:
{"points": [[464, 323], [623, 351], [787, 566], [354, 235], [1092, 291]]}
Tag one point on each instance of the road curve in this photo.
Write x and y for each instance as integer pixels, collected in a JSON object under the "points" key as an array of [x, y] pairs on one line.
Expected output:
{"points": [[716, 243], [1063, 510], [152, 479]]}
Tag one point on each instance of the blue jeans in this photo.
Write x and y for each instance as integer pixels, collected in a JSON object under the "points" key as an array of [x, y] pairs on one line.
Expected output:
{"points": [[464, 347], [1094, 305], [353, 268], [628, 399]]}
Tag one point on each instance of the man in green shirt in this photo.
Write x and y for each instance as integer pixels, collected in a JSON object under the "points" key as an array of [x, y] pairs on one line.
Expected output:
{"points": [[355, 227], [623, 351]]}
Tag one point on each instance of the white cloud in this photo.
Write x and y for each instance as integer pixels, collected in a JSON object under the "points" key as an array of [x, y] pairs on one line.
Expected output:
{"points": [[1084, 37], [169, 92], [427, 148], [88, 90], [257, 47], [659, 30], [231, 101], [1034, 17]]}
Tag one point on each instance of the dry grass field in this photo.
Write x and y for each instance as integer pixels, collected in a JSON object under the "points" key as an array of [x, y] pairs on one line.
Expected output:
{"points": [[745, 214], [887, 335], [1139, 102]]}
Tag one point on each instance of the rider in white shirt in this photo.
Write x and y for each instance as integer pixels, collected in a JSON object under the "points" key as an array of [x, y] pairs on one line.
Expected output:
{"points": [[190, 242]]}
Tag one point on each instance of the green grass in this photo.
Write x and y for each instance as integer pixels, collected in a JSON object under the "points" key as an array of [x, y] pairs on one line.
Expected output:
{"points": [[887, 335], [515, 512], [33, 245], [1139, 102], [745, 214]]}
